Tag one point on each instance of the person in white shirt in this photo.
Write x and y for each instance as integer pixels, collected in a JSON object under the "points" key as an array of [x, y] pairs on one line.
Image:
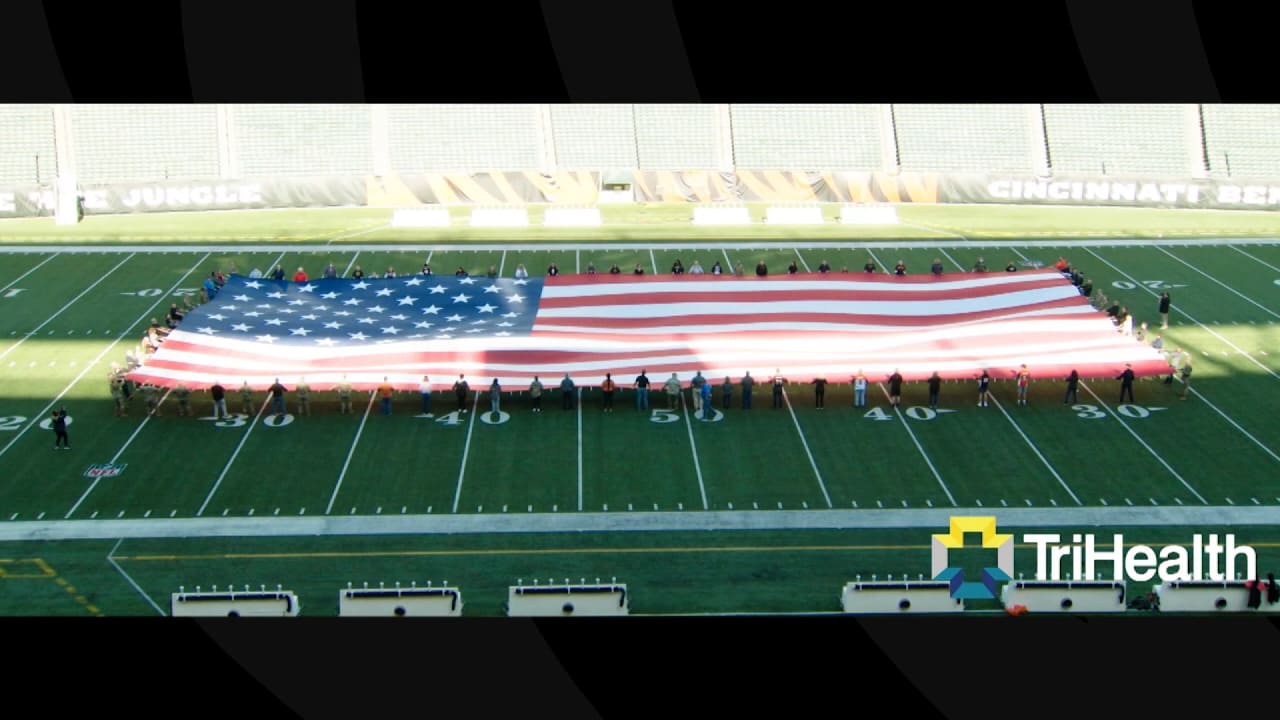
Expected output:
{"points": [[521, 272], [255, 273], [695, 268], [425, 390]]}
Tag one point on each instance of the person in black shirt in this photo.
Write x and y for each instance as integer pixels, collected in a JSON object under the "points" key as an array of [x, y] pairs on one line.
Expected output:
{"points": [[935, 386], [870, 267], [60, 430], [1073, 382], [936, 268], [895, 388], [219, 395], [778, 383], [358, 274], [639, 270], [1011, 267], [823, 267], [278, 273], [614, 269], [819, 392], [1126, 383], [677, 268], [1164, 310], [761, 269], [792, 269], [1086, 287], [553, 270], [900, 268], [980, 266], [1114, 312]]}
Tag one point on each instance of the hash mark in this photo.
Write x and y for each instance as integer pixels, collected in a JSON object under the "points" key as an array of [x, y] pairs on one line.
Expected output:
{"points": [[1178, 500], [730, 506], [679, 506], [1028, 502], [1230, 501], [929, 503], [1053, 502], [629, 507], [979, 502], [879, 504], [1127, 501], [225, 511], [40, 516], [904, 503], [1153, 501], [276, 511], [146, 514], [755, 506], [173, 512], [1003, 502], [250, 512], [1255, 501]]}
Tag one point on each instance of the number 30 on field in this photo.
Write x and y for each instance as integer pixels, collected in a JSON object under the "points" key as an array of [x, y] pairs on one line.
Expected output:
{"points": [[1091, 412]]}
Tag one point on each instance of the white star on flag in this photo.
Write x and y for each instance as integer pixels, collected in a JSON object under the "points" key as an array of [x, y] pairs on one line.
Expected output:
{"points": [[298, 302], [334, 325], [267, 338], [327, 342], [217, 316], [467, 281], [413, 282], [275, 321], [242, 298], [207, 330], [461, 298], [366, 321], [358, 336], [431, 310], [307, 288], [360, 285], [422, 324], [517, 298], [310, 317], [253, 284], [241, 327], [437, 290], [407, 300], [399, 317], [275, 295], [486, 308], [331, 295], [454, 318], [376, 309], [254, 313], [299, 331], [352, 301], [384, 292], [511, 315], [391, 330], [493, 289]]}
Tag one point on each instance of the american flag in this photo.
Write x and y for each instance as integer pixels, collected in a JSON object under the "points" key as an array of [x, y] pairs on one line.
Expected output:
{"points": [[801, 326]]}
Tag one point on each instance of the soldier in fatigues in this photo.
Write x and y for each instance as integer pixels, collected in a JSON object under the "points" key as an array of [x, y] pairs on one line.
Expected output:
{"points": [[344, 396], [183, 393], [151, 394], [304, 397], [117, 393], [246, 398]]}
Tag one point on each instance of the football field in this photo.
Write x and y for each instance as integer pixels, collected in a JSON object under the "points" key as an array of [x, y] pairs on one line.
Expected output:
{"points": [[767, 509]]}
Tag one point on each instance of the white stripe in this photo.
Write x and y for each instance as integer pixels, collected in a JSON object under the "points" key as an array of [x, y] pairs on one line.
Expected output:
{"points": [[697, 466], [350, 454], [466, 449], [837, 282], [63, 309], [1226, 287], [23, 275], [907, 426], [227, 468], [805, 444]]}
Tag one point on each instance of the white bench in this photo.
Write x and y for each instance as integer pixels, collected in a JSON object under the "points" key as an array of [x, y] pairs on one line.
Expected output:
{"points": [[1062, 596], [887, 596], [567, 600], [232, 603], [398, 602]]}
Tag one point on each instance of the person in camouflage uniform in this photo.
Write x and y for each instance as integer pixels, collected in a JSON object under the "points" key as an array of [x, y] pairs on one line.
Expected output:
{"points": [[304, 397], [246, 398], [344, 396], [183, 393]]}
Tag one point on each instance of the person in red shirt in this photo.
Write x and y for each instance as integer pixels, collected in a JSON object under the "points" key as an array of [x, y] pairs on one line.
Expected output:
{"points": [[300, 276], [1061, 265]]}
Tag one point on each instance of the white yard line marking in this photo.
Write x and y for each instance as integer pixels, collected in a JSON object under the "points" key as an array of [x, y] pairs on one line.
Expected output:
{"points": [[64, 308], [1226, 287], [1036, 450], [350, 453], [502, 264], [227, 468], [23, 275], [802, 262], [579, 449], [947, 255], [1177, 309], [902, 419], [728, 262], [813, 464], [876, 260], [697, 466], [1135, 435], [116, 457], [105, 350], [1255, 440], [111, 559], [462, 470], [351, 264], [653, 259], [577, 261], [1233, 247]]}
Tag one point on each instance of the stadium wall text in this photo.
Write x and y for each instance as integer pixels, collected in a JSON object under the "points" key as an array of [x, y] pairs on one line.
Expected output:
{"points": [[583, 188]]}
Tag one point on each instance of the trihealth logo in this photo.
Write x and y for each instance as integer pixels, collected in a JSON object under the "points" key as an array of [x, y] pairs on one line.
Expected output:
{"points": [[1003, 545]]}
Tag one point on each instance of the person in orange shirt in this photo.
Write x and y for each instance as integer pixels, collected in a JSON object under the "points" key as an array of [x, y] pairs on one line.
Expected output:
{"points": [[607, 388], [300, 276], [386, 391]]}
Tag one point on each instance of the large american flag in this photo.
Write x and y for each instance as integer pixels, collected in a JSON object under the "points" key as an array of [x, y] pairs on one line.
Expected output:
{"points": [[802, 326]]}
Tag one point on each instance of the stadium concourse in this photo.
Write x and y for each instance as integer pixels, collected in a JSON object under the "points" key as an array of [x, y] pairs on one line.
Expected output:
{"points": [[798, 326]]}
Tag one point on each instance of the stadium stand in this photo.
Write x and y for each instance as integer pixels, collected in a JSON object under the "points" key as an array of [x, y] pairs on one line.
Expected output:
{"points": [[134, 143], [462, 138], [888, 596], [26, 144], [1119, 139], [302, 140], [1241, 140], [806, 137], [675, 137], [965, 138], [594, 136], [1062, 597]]}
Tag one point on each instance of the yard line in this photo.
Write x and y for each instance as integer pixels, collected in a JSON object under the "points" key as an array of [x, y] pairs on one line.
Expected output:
{"points": [[89, 366], [63, 309], [697, 467], [802, 262], [919, 447], [812, 463], [953, 260], [654, 260], [1228, 288], [1143, 442], [351, 264], [1273, 267], [116, 457], [23, 275], [1210, 330], [350, 453], [128, 579], [728, 263], [577, 261], [502, 264], [579, 449], [1255, 440], [876, 260], [457, 495], [227, 468], [1036, 450]]}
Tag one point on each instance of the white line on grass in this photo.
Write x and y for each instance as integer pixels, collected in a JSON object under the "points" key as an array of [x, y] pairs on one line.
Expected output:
{"points": [[953, 260], [579, 449], [1255, 440], [502, 264], [577, 261], [1259, 260], [1226, 287], [351, 264], [802, 261], [89, 366], [350, 453], [462, 470], [111, 559], [1208, 329], [1144, 442], [23, 275], [366, 231], [697, 466], [876, 260], [1036, 450], [116, 457], [728, 263], [812, 463], [902, 419], [227, 468], [653, 259], [63, 309]]}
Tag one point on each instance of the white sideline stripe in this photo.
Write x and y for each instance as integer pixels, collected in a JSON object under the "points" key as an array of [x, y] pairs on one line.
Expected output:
{"points": [[111, 559], [1226, 287], [351, 264], [1036, 450], [1135, 435], [923, 454], [1258, 260], [802, 261], [812, 463], [579, 449], [116, 457], [693, 446], [466, 449], [23, 275], [350, 454], [227, 468], [89, 366], [63, 309], [1210, 330], [1255, 440]]}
